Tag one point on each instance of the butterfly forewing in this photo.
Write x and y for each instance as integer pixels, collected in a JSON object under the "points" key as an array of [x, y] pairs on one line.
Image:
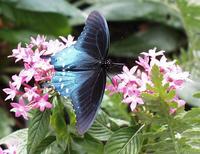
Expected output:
{"points": [[95, 38]]}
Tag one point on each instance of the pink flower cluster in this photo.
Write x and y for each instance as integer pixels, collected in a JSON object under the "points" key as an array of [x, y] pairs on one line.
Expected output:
{"points": [[132, 83], [37, 70], [12, 149]]}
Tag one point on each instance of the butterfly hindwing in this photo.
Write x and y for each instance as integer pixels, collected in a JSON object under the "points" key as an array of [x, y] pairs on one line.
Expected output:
{"points": [[66, 82], [85, 89], [89, 96]]}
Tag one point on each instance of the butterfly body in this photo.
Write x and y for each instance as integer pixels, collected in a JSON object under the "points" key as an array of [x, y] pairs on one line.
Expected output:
{"points": [[80, 70]]}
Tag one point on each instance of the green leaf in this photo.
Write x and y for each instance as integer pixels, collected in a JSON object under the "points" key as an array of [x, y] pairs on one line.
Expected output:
{"points": [[125, 140], [192, 116], [197, 95], [60, 6], [134, 10], [113, 103], [169, 95], [40, 22], [17, 138], [189, 10], [54, 147], [44, 23], [16, 36], [101, 128], [37, 130], [156, 77], [88, 145], [45, 144], [159, 36], [58, 119]]}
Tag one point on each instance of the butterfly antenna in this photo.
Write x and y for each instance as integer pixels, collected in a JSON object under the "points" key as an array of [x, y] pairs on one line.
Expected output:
{"points": [[118, 64]]}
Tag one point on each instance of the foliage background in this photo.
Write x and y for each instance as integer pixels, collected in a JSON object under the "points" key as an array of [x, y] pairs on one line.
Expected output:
{"points": [[135, 26]]}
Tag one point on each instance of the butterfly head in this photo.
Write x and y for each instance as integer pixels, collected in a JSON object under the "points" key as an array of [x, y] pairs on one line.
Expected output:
{"points": [[106, 64]]}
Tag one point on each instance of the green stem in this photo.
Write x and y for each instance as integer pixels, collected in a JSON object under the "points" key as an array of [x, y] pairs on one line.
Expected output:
{"points": [[169, 120]]}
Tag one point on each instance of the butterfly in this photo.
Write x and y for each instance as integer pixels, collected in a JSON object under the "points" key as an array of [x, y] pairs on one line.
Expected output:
{"points": [[80, 70]]}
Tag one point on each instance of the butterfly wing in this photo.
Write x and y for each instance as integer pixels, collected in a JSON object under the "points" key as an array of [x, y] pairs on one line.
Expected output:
{"points": [[91, 47], [79, 74], [95, 38], [85, 89]]}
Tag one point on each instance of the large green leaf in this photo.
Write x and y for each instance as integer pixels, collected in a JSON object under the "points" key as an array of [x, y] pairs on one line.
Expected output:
{"points": [[16, 36], [88, 145], [52, 148], [58, 120], [18, 139], [38, 129], [190, 11], [117, 10], [114, 106], [162, 37], [101, 128], [125, 141], [40, 22], [59, 6], [45, 144]]}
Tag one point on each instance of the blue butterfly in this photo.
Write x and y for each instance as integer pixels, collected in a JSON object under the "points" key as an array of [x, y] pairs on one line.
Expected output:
{"points": [[81, 70]]}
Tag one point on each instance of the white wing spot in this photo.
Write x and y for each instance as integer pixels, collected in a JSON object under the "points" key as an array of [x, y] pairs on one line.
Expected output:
{"points": [[66, 90], [63, 65], [60, 79], [62, 85]]}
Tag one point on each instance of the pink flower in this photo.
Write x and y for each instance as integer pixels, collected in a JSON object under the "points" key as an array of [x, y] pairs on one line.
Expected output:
{"points": [[12, 91], [42, 102], [153, 54], [18, 53], [54, 46], [1, 150], [36, 56], [179, 101], [133, 101], [20, 109], [18, 80], [145, 79], [113, 87], [69, 41], [128, 75], [12, 149], [31, 93], [27, 73], [132, 83], [144, 62], [38, 41]]}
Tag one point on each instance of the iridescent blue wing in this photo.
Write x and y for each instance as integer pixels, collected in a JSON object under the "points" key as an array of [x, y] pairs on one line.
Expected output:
{"points": [[72, 59], [79, 74], [91, 47], [85, 89], [95, 38]]}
